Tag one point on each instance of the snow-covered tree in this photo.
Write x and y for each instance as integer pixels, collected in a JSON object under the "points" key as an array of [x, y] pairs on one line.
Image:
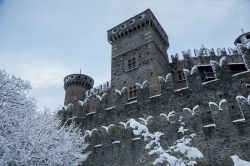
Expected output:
{"points": [[28, 137]]}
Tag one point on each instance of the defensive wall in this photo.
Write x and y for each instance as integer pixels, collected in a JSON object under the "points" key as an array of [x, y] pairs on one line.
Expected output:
{"points": [[221, 132]]}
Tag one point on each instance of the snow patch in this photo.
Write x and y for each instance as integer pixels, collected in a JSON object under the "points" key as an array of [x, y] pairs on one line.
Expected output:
{"points": [[154, 96], [193, 111], [211, 104], [194, 70], [108, 127], [70, 105], [143, 85], [137, 138], [223, 60], [239, 162], [240, 99], [82, 103], [182, 130], [132, 102], [109, 108], [239, 120], [209, 125], [170, 114], [247, 85], [241, 73], [177, 90], [90, 113], [188, 153], [116, 142], [207, 82], [99, 145], [186, 71]]}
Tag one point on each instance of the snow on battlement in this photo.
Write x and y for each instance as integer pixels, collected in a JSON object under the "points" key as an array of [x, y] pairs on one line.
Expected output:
{"points": [[205, 52]]}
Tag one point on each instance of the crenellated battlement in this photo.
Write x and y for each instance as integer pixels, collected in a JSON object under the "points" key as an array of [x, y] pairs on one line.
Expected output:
{"points": [[135, 23], [205, 52], [100, 89], [78, 80]]}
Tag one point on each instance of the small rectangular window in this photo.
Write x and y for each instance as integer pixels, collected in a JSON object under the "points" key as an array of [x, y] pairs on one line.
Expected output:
{"points": [[237, 68], [206, 73], [132, 91], [131, 63]]}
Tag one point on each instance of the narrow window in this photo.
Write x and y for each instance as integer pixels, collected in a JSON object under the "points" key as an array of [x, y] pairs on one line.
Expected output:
{"points": [[130, 92], [237, 68], [181, 75], [133, 62], [135, 93], [129, 64]]}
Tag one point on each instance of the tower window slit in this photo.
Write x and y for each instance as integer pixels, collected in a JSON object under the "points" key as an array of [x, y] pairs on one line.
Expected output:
{"points": [[181, 75]]}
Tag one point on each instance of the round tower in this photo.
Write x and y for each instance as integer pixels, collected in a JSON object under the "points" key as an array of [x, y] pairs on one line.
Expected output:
{"points": [[75, 86], [243, 44], [243, 41]]}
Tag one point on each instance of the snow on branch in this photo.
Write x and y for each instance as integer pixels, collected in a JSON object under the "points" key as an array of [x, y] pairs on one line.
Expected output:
{"points": [[29, 137]]}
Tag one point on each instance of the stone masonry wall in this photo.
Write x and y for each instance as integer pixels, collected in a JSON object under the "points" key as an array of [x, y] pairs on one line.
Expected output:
{"points": [[217, 143]]}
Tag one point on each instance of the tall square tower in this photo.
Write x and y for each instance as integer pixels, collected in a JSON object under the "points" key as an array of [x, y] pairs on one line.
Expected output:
{"points": [[139, 53]]}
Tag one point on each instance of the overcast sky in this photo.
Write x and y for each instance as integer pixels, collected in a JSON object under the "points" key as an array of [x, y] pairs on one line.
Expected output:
{"points": [[45, 40]]}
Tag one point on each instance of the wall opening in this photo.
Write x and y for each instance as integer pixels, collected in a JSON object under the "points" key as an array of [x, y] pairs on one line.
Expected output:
{"points": [[206, 73], [237, 68]]}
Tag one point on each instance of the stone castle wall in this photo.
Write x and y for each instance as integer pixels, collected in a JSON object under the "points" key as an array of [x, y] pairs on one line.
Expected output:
{"points": [[217, 142]]}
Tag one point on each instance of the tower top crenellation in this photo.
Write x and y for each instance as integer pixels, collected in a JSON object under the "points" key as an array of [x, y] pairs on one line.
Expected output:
{"points": [[78, 80], [142, 19]]}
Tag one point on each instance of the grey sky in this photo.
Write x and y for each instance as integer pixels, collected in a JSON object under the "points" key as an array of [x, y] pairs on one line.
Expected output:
{"points": [[44, 40]]}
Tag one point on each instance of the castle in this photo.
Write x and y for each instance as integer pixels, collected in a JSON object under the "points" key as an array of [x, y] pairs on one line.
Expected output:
{"points": [[146, 85]]}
